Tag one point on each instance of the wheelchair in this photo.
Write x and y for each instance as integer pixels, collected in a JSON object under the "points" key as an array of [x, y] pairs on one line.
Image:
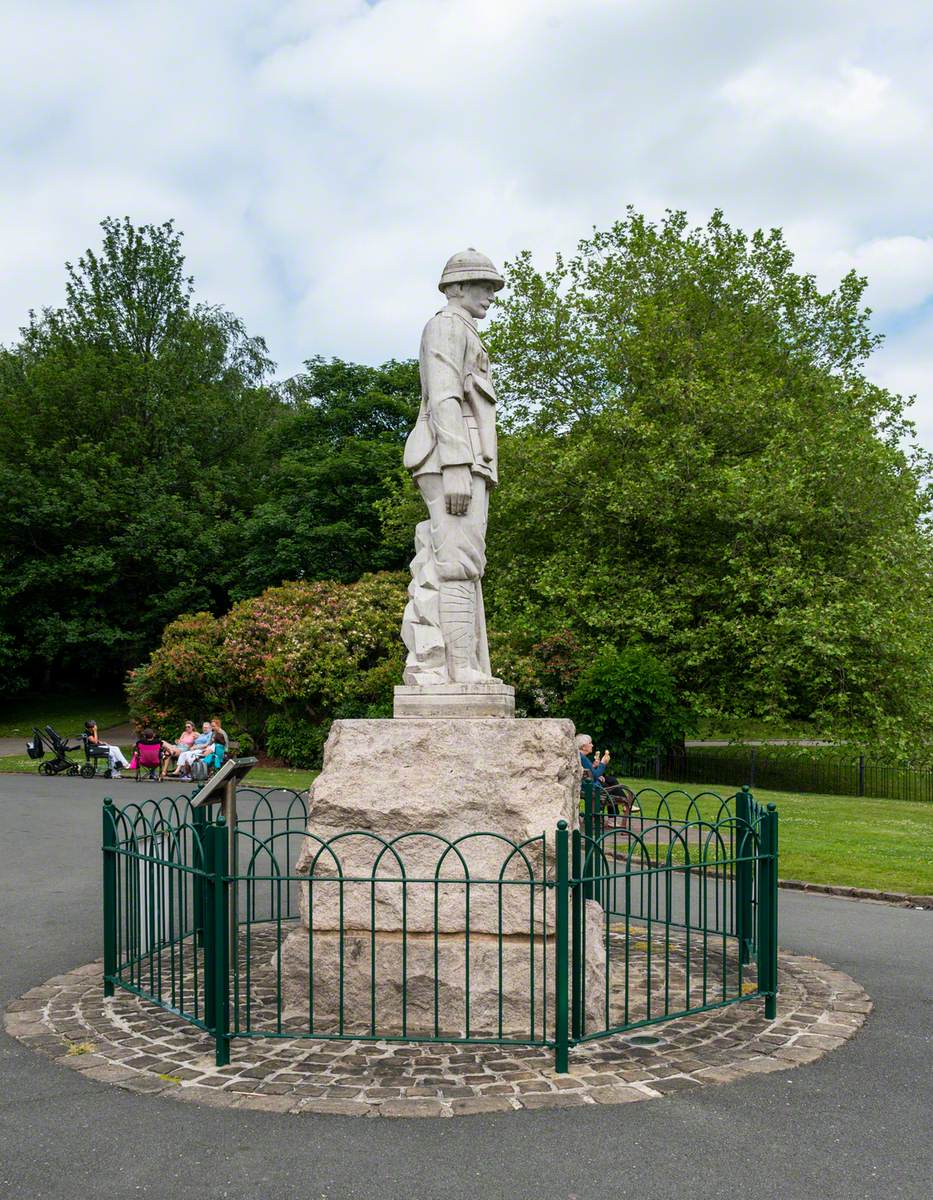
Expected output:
{"points": [[92, 755]]}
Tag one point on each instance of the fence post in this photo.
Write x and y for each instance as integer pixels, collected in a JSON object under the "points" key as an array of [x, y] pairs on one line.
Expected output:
{"points": [[744, 849], [861, 774], [768, 911], [588, 830], [199, 859], [110, 895], [561, 965], [217, 941], [576, 948]]}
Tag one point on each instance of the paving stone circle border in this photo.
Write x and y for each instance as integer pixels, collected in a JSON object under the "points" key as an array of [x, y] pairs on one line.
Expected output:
{"points": [[133, 1044]]}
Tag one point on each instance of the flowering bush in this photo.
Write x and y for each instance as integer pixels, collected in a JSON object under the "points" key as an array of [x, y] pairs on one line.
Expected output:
{"points": [[280, 666], [543, 673]]}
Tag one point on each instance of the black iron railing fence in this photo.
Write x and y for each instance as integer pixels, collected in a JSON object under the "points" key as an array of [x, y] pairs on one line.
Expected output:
{"points": [[572, 935], [855, 776]]}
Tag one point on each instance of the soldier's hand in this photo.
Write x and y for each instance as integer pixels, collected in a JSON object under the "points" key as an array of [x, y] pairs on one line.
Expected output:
{"points": [[458, 489]]}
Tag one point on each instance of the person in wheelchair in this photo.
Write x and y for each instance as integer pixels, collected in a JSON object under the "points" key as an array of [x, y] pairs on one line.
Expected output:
{"points": [[98, 749]]}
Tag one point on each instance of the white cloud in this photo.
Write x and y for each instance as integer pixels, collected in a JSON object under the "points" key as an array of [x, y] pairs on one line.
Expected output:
{"points": [[904, 364], [899, 271], [325, 156], [839, 101]]}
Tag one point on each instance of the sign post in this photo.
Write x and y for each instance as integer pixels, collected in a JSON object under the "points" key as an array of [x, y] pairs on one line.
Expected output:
{"points": [[221, 789]]}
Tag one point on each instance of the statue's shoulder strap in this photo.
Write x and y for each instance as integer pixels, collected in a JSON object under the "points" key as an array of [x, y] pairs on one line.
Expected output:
{"points": [[455, 316]]}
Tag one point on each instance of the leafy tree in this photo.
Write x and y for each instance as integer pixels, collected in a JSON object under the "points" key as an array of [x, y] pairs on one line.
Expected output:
{"points": [[131, 419], [330, 461], [543, 673], [697, 462], [630, 699]]}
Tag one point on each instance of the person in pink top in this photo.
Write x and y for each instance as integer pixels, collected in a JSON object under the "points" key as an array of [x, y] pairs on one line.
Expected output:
{"points": [[174, 749]]}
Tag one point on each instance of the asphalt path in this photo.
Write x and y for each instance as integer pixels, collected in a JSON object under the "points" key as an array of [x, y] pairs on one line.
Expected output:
{"points": [[858, 1123]]}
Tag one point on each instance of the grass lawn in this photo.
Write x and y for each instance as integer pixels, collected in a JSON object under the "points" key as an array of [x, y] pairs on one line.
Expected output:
{"points": [[64, 713], [859, 842], [282, 777]]}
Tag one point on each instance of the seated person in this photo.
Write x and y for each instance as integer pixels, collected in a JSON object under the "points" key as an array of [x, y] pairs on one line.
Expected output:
{"points": [[595, 769], [202, 745], [147, 752], [220, 735], [171, 750], [115, 755], [611, 791]]}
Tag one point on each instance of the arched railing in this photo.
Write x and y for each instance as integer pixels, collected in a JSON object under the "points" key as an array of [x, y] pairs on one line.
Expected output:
{"points": [[627, 920]]}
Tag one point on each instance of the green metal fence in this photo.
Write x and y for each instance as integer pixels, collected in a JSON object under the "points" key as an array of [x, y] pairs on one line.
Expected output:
{"points": [[818, 770], [573, 935]]}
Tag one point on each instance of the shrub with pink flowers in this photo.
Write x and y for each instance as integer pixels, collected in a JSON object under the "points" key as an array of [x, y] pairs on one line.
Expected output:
{"points": [[280, 666]]}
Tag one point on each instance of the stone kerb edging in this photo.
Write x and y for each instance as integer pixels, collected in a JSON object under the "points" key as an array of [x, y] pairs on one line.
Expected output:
{"points": [[135, 1045], [848, 892]]}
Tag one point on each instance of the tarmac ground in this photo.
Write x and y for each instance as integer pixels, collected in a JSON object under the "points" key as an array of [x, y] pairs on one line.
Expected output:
{"points": [[856, 1124]]}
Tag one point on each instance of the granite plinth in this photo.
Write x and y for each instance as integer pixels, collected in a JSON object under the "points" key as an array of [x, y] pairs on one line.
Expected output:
{"points": [[437, 880], [476, 701], [479, 986]]}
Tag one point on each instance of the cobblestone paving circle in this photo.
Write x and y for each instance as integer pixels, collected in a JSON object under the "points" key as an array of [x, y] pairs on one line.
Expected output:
{"points": [[136, 1045]]}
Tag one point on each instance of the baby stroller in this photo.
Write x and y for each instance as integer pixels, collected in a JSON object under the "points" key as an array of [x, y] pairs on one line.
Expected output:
{"points": [[57, 746]]}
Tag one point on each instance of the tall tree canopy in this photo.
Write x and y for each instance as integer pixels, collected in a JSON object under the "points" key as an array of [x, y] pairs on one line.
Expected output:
{"points": [[698, 462], [330, 461], [695, 470], [131, 417]]}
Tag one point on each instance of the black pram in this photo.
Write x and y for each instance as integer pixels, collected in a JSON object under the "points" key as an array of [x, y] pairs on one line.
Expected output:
{"points": [[57, 746]]}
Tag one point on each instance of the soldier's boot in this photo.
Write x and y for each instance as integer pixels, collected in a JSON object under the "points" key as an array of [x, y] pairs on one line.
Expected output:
{"points": [[458, 623]]}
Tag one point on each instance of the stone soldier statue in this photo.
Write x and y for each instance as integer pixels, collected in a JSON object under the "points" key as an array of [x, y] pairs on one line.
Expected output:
{"points": [[451, 453]]}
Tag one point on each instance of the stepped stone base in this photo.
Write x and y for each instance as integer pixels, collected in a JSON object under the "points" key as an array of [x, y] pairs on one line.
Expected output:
{"points": [[469, 700]]}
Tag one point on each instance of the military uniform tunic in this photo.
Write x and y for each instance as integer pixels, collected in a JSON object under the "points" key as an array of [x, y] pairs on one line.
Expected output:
{"points": [[456, 424]]}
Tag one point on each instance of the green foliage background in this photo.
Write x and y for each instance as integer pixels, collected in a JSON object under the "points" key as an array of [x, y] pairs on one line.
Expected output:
{"points": [[695, 470], [698, 463], [279, 666]]}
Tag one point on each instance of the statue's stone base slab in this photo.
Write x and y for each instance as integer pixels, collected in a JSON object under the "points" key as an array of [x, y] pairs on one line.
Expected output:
{"points": [[472, 700]]}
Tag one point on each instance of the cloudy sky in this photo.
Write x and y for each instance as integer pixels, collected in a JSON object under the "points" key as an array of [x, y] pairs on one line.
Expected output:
{"points": [[323, 157]]}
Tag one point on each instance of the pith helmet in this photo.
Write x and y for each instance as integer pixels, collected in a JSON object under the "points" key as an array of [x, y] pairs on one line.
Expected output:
{"points": [[470, 264]]}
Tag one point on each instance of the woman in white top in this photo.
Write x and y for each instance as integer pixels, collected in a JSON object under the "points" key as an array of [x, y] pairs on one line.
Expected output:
{"points": [[114, 753]]}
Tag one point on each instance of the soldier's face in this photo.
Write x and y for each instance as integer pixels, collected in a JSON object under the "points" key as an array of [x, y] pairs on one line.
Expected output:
{"points": [[476, 297]]}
